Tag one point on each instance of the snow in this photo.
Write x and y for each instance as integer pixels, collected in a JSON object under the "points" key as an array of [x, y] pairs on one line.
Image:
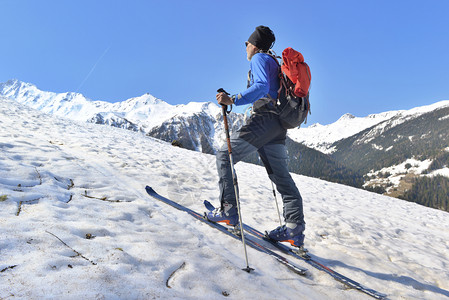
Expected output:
{"points": [[441, 172], [145, 110], [321, 137], [377, 147], [426, 108], [417, 167], [74, 180], [144, 113], [396, 172]]}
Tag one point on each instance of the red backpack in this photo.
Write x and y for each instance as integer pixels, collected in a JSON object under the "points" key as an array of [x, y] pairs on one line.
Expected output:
{"points": [[297, 71], [293, 94]]}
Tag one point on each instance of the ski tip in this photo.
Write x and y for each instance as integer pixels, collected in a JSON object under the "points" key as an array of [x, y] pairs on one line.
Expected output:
{"points": [[208, 205], [149, 189]]}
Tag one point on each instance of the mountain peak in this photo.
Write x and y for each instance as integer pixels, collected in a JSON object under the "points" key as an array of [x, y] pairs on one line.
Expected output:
{"points": [[346, 116], [141, 101], [14, 85]]}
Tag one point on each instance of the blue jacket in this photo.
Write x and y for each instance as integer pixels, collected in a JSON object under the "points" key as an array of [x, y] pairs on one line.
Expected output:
{"points": [[264, 80]]}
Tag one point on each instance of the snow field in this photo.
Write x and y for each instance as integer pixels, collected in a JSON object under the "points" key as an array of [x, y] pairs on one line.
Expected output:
{"points": [[83, 180]]}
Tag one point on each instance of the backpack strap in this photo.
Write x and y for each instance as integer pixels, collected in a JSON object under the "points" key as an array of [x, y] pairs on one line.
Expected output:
{"points": [[273, 55]]}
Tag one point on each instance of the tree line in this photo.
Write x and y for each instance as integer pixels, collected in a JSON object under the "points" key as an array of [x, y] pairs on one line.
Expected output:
{"points": [[430, 191]]}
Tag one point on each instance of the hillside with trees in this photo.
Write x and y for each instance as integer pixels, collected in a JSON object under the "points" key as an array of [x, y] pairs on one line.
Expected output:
{"points": [[430, 192]]}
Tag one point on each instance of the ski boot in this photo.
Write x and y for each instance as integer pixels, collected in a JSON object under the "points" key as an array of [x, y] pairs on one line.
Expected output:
{"points": [[227, 215], [293, 234]]}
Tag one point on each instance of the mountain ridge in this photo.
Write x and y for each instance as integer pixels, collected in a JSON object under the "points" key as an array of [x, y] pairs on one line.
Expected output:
{"points": [[322, 137], [142, 110]]}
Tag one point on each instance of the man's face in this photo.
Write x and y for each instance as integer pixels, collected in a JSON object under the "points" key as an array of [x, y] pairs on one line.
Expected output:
{"points": [[250, 50]]}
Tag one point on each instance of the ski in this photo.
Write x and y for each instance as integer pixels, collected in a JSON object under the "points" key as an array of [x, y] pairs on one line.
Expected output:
{"points": [[251, 241], [308, 259]]}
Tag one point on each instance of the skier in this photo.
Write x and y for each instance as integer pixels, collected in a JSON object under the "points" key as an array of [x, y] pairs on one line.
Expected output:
{"points": [[262, 133]]}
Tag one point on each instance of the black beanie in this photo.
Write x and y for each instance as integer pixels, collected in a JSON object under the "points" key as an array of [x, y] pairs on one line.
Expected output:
{"points": [[263, 38]]}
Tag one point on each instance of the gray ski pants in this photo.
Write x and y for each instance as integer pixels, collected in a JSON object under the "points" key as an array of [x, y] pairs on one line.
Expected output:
{"points": [[262, 133]]}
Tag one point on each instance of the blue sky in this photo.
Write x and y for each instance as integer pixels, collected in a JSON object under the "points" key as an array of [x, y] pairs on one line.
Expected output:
{"points": [[365, 56]]}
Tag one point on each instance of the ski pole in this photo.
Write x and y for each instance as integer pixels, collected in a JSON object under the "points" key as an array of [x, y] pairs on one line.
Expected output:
{"points": [[276, 201], [234, 179]]}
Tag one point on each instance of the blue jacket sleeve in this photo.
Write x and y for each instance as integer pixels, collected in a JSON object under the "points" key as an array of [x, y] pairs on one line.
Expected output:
{"points": [[260, 81]]}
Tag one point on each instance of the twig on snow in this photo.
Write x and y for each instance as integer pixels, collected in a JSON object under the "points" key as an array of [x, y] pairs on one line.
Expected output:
{"points": [[9, 267], [72, 184], [102, 198], [70, 199], [77, 253], [39, 176], [173, 273], [92, 197], [19, 208]]}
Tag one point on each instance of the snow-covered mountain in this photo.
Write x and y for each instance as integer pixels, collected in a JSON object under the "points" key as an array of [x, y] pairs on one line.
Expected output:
{"points": [[146, 110], [198, 125], [323, 137], [76, 223], [399, 153], [195, 125]]}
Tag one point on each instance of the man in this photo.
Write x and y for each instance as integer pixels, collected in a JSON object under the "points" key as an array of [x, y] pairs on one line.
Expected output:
{"points": [[262, 133]]}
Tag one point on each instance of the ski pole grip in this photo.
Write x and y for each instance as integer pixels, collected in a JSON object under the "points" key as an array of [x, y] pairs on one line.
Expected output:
{"points": [[225, 119], [221, 90], [225, 111]]}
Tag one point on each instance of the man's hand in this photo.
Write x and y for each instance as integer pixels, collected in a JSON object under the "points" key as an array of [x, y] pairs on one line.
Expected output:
{"points": [[224, 99]]}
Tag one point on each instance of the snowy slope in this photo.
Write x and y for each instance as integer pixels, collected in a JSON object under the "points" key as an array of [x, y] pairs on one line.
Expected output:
{"points": [[51, 168], [321, 137]]}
